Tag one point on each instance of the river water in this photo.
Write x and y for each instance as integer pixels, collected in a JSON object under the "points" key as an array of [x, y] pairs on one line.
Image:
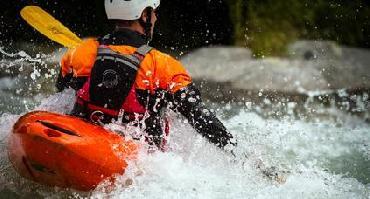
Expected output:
{"points": [[318, 157]]}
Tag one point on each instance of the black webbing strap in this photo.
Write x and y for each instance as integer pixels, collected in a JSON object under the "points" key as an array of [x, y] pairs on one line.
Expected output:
{"points": [[130, 60], [143, 50]]}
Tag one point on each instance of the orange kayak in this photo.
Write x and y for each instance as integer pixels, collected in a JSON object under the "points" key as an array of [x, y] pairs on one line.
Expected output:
{"points": [[66, 151]]}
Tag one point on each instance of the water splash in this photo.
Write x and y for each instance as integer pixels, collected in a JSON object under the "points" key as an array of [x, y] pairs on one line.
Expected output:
{"points": [[22, 56], [320, 158]]}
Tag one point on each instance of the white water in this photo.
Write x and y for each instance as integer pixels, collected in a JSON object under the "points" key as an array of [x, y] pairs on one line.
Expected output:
{"points": [[196, 169], [325, 158]]}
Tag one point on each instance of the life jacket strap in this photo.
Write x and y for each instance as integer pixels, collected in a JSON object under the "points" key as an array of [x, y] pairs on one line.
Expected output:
{"points": [[105, 115], [143, 50]]}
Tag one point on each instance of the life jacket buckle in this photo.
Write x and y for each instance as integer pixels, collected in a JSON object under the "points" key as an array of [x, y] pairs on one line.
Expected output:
{"points": [[97, 117]]}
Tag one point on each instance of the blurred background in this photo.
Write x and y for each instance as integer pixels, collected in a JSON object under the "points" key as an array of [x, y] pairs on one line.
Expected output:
{"points": [[297, 46], [264, 26]]}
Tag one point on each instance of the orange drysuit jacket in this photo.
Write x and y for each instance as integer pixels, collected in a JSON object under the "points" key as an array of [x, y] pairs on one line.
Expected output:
{"points": [[157, 70]]}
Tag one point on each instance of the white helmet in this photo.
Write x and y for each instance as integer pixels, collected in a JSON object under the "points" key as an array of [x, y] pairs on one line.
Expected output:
{"points": [[128, 9]]}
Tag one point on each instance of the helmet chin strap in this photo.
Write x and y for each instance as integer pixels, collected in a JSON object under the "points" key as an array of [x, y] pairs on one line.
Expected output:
{"points": [[147, 24]]}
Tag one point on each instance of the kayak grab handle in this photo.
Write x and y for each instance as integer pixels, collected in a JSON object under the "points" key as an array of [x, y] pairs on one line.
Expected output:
{"points": [[55, 127]]}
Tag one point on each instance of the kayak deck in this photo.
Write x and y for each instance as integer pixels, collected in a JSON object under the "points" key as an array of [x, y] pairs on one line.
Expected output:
{"points": [[66, 151]]}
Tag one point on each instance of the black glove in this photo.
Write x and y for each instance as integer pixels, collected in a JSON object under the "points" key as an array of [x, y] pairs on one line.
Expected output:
{"points": [[68, 81]]}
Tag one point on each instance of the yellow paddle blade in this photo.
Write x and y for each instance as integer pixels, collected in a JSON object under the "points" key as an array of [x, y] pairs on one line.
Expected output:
{"points": [[49, 26]]}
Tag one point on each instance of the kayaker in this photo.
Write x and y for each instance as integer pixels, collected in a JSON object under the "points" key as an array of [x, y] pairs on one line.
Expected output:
{"points": [[119, 77]]}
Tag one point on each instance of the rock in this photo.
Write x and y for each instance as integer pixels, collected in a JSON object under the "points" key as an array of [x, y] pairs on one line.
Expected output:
{"points": [[220, 53], [333, 68], [282, 75], [310, 50], [209, 63]]}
